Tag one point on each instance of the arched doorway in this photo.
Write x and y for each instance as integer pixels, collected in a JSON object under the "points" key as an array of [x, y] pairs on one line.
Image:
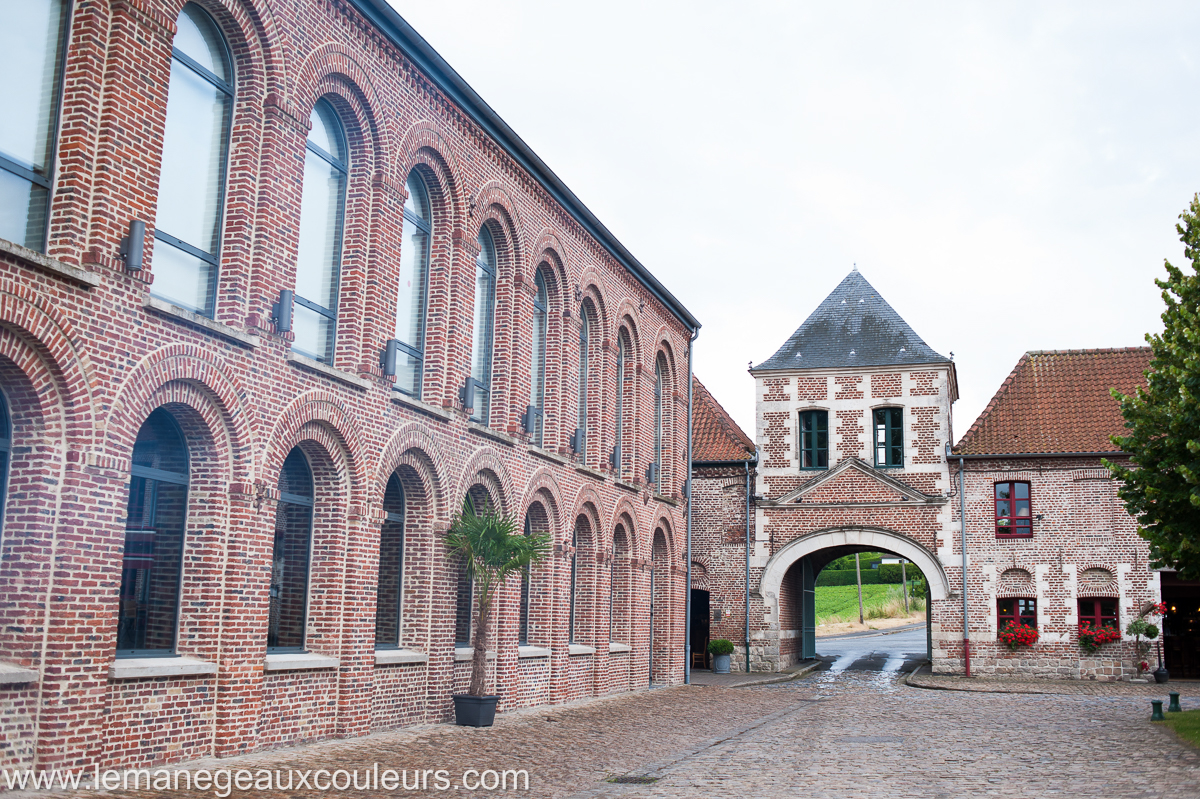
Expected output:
{"points": [[788, 582]]}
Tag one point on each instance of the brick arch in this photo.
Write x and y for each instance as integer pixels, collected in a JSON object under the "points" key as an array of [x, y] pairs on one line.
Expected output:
{"points": [[592, 285], [423, 145], [625, 507], [485, 459], [331, 68], [544, 484], [872, 538], [627, 316], [48, 332], [183, 364], [494, 204], [250, 28], [662, 521], [548, 248], [1016, 581], [410, 439], [44, 386], [317, 416], [1101, 583]]}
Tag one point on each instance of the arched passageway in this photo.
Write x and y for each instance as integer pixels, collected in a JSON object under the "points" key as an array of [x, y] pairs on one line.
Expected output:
{"points": [[788, 584]]}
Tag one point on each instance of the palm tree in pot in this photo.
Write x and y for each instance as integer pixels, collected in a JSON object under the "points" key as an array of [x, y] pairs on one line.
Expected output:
{"points": [[492, 549]]}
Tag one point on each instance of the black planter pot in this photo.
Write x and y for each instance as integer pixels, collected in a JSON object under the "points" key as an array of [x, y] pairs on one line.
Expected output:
{"points": [[1161, 674], [474, 711]]}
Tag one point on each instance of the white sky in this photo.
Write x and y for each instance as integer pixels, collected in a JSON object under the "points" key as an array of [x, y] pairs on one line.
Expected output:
{"points": [[1007, 175]]}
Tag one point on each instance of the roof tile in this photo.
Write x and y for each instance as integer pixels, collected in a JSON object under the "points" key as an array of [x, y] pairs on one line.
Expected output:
{"points": [[1058, 401], [715, 436]]}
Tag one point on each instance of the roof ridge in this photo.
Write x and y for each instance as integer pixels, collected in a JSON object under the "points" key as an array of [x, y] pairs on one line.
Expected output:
{"points": [[1088, 351]]}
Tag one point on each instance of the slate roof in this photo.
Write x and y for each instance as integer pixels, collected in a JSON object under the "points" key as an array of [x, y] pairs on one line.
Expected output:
{"points": [[854, 326], [1058, 401], [715, 436]]}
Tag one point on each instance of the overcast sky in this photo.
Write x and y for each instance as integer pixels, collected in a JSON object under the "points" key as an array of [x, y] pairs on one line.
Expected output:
{"points": [[1007, 175]]}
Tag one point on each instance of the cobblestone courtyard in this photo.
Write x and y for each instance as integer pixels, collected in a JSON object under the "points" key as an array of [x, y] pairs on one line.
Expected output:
{"points": [[833, 733]]}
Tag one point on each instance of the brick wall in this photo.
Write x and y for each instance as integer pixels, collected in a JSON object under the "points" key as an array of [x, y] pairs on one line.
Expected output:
{"points": [[86, 356]]}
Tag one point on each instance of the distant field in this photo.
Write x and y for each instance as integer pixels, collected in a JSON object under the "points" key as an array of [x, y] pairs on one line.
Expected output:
{"points": [[840, 602]]}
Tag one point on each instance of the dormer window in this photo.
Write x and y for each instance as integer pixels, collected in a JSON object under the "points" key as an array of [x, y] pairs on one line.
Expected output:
{"points": [[889, 437], [814, 439]]}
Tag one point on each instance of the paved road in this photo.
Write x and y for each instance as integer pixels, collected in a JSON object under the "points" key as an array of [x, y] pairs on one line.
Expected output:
{"points": [[851, 730], [881, 651]]}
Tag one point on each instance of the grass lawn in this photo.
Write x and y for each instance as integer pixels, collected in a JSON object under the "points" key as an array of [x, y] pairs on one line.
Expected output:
{"points": [[1186, 725], [842, 600]]}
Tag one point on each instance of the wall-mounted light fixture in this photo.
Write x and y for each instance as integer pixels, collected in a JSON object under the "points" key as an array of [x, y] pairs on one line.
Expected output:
{"points": [[466, 394], [529, 420], [133, 245], [387, 358], [652, 473], [281, 312], [614, 459], [577, 440]]}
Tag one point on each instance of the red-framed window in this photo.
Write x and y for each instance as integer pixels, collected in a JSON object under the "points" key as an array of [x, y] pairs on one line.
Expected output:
{"points": [[1016, 611], [1099, 612], [1014, 517]]}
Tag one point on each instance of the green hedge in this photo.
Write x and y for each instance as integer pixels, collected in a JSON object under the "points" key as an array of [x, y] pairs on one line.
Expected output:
{"points": [[846, 577]]}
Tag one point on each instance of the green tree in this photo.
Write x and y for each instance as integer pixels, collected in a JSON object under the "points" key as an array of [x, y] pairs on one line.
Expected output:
{"points": [[493, 549], [1161, 489]]}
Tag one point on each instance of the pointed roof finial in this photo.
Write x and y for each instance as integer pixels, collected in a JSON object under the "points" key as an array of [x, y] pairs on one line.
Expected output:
{"points": [[854, 268]]}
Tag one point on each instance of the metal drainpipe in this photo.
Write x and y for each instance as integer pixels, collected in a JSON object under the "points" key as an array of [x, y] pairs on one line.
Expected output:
{"points": [[687, 616], [747, 611], [962, 500]]}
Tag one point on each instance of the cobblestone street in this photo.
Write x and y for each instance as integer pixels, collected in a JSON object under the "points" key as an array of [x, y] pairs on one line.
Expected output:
{"points": [[845, 732]]}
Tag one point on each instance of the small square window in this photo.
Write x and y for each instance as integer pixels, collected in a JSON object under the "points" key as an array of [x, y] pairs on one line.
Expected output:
{"points": [[1016, 611], [1099, 612]]}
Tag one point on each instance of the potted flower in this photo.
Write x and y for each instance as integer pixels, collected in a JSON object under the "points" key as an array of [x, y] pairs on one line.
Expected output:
{"points": [[493, 547], [1015, 635], [720, 649], [1092, 638]]}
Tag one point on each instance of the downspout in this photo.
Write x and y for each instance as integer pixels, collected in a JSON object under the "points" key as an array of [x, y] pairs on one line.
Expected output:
{"points": [[747, 612], [687, 616], [962, 500]]}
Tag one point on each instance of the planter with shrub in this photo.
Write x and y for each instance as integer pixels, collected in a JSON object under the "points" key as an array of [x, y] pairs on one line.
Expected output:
{"points": [[720, 649]]}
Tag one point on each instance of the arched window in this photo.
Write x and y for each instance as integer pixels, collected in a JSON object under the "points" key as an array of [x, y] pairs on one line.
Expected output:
{"points": [[191, 185], [619, 449], [485, 311], [154, 539], [32, 43], [319, 257], [414, 283], [580, 442], [656, 472], [390, 593], [523, 622], [536, 413], [289, 571], [574, 582], [5, 454]]}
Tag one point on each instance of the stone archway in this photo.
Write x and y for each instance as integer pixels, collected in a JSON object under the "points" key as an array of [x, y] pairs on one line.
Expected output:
{"points": [[800, 554]]}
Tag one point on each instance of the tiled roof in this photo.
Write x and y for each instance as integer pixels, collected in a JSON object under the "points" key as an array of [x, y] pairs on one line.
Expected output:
{"points": [[1058, 401], [854, 326], [715, 436]]}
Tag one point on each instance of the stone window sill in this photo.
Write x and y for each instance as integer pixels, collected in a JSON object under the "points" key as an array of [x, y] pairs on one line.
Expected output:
{"points": [[36, 259], [626, 486], [313, 365], [487, 432], [401, 398], [667, 500], [524, 652], [299, 661], [464, 653], [11, 675], [546, 454], [165, 308], [590, 472], [581, 649], [615, 647], [138, 668], [386, 657]]}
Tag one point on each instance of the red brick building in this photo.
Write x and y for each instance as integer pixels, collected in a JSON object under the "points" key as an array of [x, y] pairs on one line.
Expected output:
{"points": [[348, 297], [853, 434]]}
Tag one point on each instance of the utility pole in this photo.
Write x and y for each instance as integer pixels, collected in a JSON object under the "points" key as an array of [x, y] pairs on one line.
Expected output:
{"points": [[904, 582], [858, 577]]}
